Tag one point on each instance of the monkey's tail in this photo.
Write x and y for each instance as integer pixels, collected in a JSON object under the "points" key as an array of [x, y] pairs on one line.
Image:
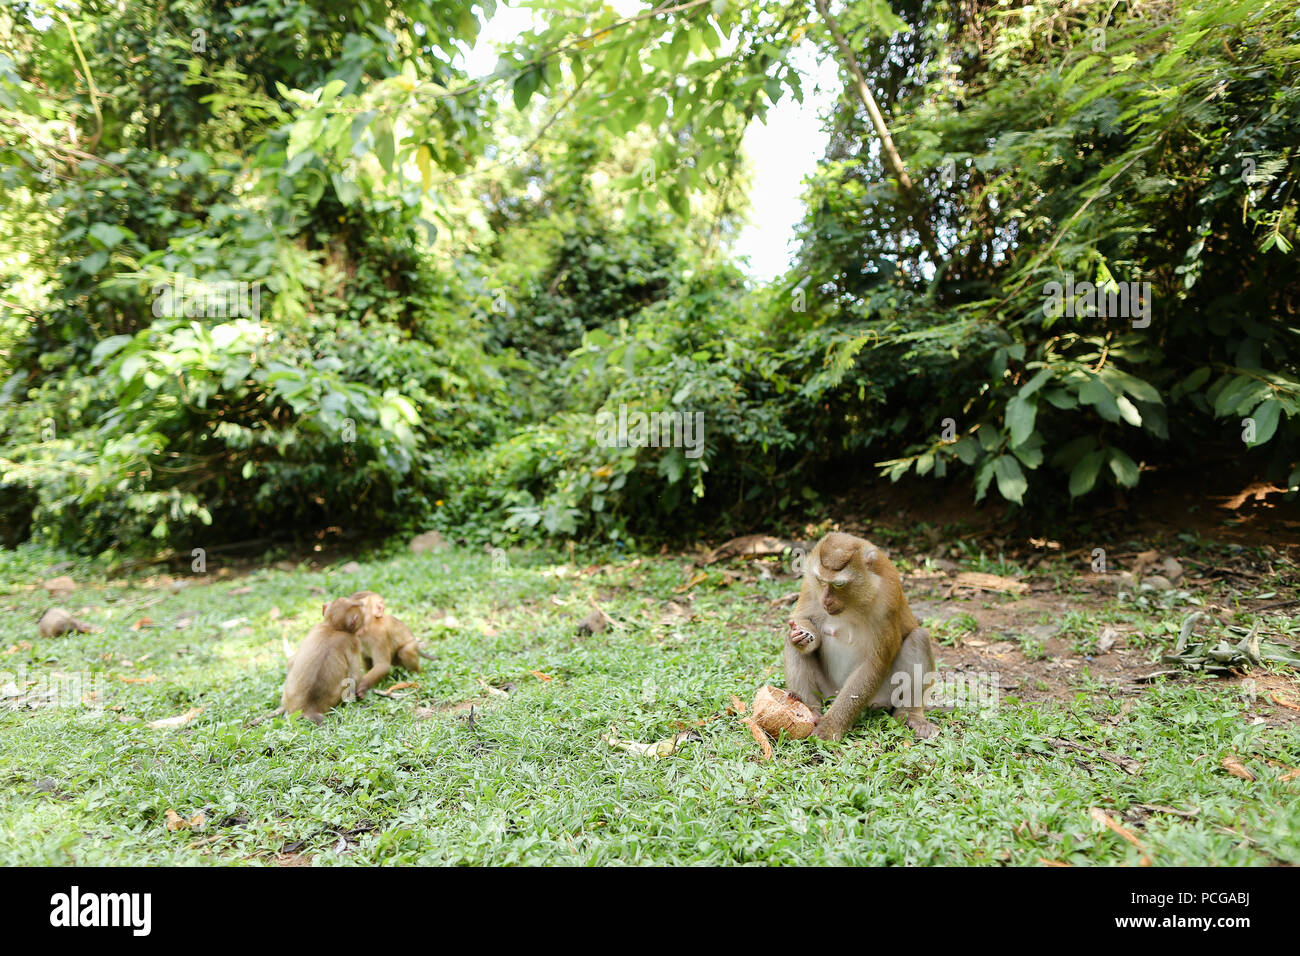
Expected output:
{"points": [[425, 654]]}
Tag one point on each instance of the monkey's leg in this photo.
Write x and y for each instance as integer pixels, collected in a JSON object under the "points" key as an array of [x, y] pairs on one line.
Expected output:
{"points": [[858, 691], [804, 678], [910, 678]]}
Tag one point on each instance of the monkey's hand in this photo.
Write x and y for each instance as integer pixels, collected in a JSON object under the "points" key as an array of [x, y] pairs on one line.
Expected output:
{"points": [[803, 637]]}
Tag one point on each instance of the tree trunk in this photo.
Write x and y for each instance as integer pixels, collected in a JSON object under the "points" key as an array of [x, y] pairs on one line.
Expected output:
{"points": [[893, 161]]}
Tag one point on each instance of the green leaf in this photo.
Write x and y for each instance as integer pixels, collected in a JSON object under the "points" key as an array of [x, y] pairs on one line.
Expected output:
{"points": [[385, 144], [1084, 475], [1123, 467], [1097, 394], [109, 346], [1266, 416], [1128, 411], [526, 84], [107, 235], [1012, 483], [1020, 416]]}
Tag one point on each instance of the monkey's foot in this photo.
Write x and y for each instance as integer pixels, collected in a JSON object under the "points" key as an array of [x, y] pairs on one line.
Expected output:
{"points": [[920, 726], [824, 731]]}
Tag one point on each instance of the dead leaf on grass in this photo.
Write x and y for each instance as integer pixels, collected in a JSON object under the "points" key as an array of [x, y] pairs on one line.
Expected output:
{"points": [[1235, 767], [177, 822], [761, 736], [981, 581], [180, 720], [695, 579]]}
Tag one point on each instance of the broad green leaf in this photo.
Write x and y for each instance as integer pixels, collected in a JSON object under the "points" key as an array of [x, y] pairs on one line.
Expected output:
{"points": [[1012, 483], [1084, 475], [1266, 416], [1020, 416], [1123, 468]]}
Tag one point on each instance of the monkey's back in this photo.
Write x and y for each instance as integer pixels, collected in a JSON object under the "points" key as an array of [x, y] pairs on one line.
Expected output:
{"points": [[383, 639], [316, 679]]}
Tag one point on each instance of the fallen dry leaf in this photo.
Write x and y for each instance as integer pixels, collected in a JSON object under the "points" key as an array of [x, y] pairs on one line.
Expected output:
{"points": [[543, 677], [696, 578], [403, 683], [177, 822], [760, 736], [143, 622], [737, 706], [1235, 767], [138, 680], [1283, 702], [1289, 775], [749, 546], [1046, 862], [989, 582], [240, 590], [180, 720]]}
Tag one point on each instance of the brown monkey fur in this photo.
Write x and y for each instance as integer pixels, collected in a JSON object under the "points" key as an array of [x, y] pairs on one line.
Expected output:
{"points": [[327, 668], [852, 636], [385, 642]]}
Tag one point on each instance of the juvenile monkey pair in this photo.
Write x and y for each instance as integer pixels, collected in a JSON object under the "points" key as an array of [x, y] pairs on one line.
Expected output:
{"points": [[353, 648]]}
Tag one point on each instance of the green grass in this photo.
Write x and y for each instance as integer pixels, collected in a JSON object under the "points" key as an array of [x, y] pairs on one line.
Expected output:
{"points": [[530, 781]]}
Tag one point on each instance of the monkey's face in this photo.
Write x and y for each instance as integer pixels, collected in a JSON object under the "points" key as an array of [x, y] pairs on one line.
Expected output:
{"points": [[832, 596], [372, 602]]}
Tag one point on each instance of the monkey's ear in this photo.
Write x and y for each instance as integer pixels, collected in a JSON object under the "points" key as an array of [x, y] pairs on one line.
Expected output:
{"points": [[868, 556], [324, 609]]}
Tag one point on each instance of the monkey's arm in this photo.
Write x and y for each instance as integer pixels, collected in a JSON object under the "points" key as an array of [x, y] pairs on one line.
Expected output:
{"points": [[804, 677], [856, 693], [374, 675]]}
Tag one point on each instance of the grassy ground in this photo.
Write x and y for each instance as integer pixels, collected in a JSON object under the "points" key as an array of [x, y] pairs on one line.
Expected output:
{"points": [[527, 779]]}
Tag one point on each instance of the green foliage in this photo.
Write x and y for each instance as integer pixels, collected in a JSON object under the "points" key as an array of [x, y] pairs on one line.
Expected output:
{"points": [[458, 276]]}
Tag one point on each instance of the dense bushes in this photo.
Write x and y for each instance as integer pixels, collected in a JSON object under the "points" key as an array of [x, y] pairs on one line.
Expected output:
{"points": [[443, 321]]}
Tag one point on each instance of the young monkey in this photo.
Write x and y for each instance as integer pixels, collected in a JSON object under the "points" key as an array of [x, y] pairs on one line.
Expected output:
{"points": [[384, 642], [852, 636], [327, 668]]}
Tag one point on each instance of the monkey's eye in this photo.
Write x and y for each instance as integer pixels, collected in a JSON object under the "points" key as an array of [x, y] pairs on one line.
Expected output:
{"points": [[837, 584]]}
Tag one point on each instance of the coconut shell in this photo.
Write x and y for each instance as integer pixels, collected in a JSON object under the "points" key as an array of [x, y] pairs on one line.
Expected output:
{"points": [[774, 710]]}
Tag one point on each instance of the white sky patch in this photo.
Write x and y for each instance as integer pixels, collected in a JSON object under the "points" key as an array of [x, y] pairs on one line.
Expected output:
{"points": [[782, 150]]}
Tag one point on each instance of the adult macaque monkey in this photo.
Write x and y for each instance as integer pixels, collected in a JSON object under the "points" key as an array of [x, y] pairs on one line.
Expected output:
{"points": [[327, 668], [384, 642], [853, 636]]}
